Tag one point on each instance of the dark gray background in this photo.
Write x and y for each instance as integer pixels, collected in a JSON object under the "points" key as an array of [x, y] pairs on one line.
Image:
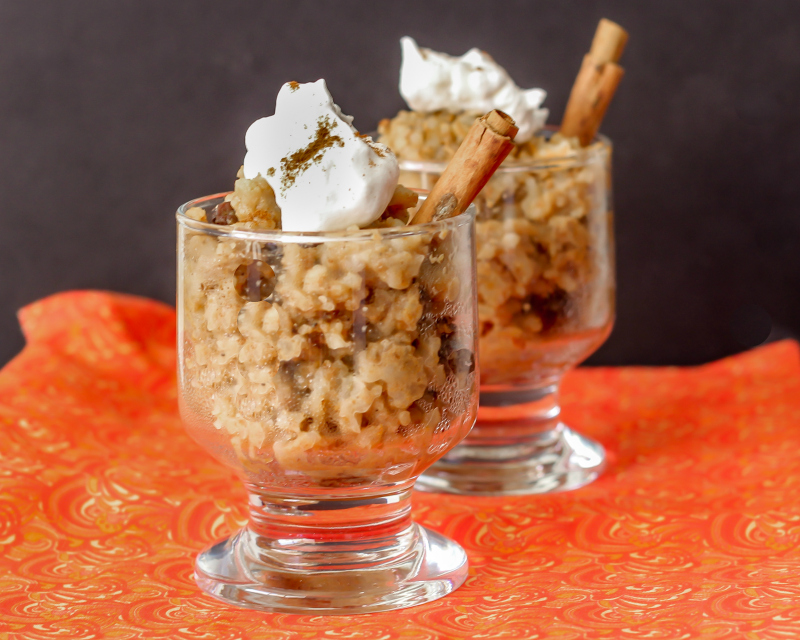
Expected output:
{"points": [[112, 113]]}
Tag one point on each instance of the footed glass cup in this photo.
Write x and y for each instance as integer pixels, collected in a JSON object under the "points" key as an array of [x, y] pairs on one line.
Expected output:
{"points": [[546, 290], [328, 370]]}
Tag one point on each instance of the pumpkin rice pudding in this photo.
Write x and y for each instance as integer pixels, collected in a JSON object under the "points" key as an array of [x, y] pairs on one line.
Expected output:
{"points": [[542, 226], [329, 358]]}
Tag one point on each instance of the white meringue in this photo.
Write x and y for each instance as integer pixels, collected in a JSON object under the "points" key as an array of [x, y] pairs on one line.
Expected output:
{"points": [[326, 176], [430, 81]]}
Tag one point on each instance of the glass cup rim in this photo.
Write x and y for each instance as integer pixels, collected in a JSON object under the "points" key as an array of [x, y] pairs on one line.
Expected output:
{"points": [[313, 237], [578, 158]]}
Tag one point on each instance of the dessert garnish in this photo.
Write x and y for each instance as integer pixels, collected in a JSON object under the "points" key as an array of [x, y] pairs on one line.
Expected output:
{"points": [[596, 83], [432, 81], [484, 148], [326, 175]]}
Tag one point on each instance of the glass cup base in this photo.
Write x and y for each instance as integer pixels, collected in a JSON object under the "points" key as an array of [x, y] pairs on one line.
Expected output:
{"points": [[558, 459], [398, 571]]}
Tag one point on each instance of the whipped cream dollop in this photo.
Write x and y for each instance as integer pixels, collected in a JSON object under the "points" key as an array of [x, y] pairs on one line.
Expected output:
{"points": [[430, 81], [326, 176]]}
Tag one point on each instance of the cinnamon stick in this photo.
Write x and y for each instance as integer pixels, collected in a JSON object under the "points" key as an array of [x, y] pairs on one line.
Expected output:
{"points": [[484, 148], [596, 83]]}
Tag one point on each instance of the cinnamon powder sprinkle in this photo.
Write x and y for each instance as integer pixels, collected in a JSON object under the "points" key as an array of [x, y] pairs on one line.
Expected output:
{"points": [[302, 159], [293, 85], [378, 150]]}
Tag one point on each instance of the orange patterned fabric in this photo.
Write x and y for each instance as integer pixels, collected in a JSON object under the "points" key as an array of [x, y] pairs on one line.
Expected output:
{"points": [[694, 531]]}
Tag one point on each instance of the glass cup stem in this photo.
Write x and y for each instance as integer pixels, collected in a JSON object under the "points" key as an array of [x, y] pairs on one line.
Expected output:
{"points": [[292, 529], [516, 416]]}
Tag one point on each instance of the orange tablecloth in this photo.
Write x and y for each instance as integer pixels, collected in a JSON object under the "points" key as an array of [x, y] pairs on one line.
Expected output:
{"points": [[694, 531]]}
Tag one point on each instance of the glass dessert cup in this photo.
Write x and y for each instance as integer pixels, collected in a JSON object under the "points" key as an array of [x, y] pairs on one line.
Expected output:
{"points": [[546, 290], [328, 370]]}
